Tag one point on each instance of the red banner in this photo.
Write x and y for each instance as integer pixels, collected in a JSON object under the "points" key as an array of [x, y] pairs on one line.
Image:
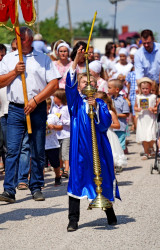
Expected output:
{"points": [[28, 11], [9, 9], [13, 11], [4, 11]]}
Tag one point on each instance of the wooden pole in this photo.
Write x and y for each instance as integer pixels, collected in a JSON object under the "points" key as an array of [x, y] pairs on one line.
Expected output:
{"points": [[23, 77], [56, 8]]}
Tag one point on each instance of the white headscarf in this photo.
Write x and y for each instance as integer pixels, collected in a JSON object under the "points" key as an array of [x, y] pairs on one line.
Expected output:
{"points": [[63, 45], [123, 51], [133, 51], [96, 66]]}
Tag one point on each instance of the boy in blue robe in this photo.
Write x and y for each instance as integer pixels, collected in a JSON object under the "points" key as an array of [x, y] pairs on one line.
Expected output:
{"points": [[81, 181]]}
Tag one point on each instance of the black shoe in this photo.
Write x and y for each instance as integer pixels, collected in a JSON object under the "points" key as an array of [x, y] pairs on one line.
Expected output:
{"points": [[38, 196], [58, 181], [111, 217], [72, 226], [5, 196]]}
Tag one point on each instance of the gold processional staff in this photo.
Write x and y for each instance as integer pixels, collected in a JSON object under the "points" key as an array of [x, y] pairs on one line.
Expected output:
{"points": [[100, 201]]}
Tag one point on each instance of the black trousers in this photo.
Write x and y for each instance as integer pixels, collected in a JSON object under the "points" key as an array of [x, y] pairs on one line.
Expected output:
{"points": [[74, 211]]}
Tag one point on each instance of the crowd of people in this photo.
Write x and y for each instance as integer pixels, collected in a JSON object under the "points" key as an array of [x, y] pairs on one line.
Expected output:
{"points": [[126, 79]]}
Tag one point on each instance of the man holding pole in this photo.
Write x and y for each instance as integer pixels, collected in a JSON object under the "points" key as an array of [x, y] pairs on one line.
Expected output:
{"points": [[41, 82]]}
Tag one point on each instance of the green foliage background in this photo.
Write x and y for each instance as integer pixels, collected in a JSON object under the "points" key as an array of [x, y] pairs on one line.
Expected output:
{"points": [[51, 30]]}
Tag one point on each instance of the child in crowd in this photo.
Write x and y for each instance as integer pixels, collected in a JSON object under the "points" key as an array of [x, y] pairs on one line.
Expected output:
{"points": [[81, 180], [60, 109], [119, 158], [52, 144], [146, 123], [122, 108], [154, 88], [95, 69], [97, 54]]}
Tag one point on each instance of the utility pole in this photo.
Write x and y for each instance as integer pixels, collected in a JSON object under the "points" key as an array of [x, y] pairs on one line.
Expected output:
{"points": [[36, 2], [56, 8], [115, 16], [69, 16], [68, 10]]}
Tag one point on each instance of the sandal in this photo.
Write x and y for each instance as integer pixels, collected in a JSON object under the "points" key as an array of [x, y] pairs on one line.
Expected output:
{"points": [[22, 186], [152, 152], [65, 174], [61, 171], [145, 157]]}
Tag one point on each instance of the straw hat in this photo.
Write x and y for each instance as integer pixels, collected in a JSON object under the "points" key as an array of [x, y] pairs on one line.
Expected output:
{"points": [[145, 79]]}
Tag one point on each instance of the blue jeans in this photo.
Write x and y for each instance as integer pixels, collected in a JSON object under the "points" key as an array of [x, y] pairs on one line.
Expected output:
{"points": [[4, 132], [24, 160], [16, 129], [4, 128]]}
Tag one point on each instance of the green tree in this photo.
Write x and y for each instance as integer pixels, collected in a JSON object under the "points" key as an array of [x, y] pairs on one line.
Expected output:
{"points": [[83, 28], [6, 35], [50, 30]]}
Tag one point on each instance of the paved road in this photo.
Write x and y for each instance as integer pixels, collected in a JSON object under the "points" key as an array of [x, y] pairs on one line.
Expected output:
{"points": [[42, 225]]}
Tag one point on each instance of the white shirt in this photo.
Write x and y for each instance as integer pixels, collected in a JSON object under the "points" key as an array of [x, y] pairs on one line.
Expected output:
{"points": [[51, 135], [39, 71], [102, 85], [3, 102], [64, 120], [122, 69], [107, 64]]}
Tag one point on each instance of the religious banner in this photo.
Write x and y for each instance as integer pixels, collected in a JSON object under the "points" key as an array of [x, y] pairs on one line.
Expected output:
{"points": [[4, 11], [13, 11], [28, 11], [9, 9]]}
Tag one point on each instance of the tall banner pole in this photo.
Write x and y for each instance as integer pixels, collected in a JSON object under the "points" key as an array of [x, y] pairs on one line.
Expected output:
{"points": [[28, 120]]}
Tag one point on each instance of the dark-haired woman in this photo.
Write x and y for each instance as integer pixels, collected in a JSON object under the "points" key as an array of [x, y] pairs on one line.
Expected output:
{"points": [[108, 60]]}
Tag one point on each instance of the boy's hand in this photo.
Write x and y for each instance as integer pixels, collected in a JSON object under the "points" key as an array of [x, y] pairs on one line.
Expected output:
{"points": [[79, 55], [92, 101]]}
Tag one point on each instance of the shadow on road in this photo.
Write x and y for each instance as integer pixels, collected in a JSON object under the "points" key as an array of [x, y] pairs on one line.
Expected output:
{"points": [[101, 224], [125, 183], [131, 168], [27, 213]]}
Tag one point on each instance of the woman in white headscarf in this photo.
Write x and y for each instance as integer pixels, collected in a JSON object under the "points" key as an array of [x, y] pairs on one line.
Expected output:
{"points": [[63, 63], [95, 69]]}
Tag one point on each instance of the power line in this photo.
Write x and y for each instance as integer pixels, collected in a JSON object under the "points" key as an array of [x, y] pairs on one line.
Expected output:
{"points": [[145, 1]]}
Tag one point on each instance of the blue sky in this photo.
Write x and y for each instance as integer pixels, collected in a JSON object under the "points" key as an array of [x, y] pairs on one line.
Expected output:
{"points": [[137, 14]]}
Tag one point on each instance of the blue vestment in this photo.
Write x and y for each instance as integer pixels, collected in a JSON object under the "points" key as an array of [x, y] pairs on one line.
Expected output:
{"points": [[81, 181]]}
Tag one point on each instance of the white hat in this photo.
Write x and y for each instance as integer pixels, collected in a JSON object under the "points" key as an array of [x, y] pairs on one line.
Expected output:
{"points": [[96, 66], [123, 51], [63, 45], [37, 37], [133, 51], [144, 79], [97, 51]]}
